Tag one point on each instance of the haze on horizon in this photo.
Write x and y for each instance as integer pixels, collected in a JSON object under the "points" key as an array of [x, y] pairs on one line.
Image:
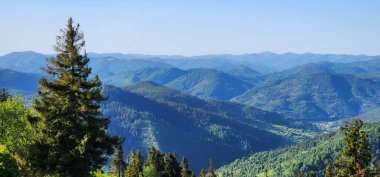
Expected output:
{"points": [[196, 27]]}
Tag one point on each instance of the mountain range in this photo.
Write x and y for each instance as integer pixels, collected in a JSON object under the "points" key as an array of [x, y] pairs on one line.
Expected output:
{"points": [[226, 107], [149, 114]]}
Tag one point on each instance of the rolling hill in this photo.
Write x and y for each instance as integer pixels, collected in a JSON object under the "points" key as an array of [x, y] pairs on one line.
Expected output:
{"points": [[203, 83], [209, 84], [318, 96]]}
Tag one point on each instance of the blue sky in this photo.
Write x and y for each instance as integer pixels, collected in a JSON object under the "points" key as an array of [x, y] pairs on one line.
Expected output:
{"points": [[195, 27]]}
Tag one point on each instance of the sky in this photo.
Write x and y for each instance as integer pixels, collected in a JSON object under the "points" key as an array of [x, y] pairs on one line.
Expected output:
{"points": [[195, 27]]}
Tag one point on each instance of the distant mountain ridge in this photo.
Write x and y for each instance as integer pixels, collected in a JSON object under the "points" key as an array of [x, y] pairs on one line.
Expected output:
{"points": [[362, 67], [263, 62]]}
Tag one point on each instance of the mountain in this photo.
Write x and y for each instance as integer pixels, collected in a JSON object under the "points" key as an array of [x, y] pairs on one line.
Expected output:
{"points": [[265, 62], [18, 81], [203, 83], [157, 75], [209, 84], [318, 96], [310, 155], [148, 114], [105, 66], [109, 66], [29, 62]]}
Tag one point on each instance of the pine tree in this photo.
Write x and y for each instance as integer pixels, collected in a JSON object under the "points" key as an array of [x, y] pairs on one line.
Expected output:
{"points": [[356, 156], [192, 174], [328, 171], [72, 140], [202, 173], [171, 168], [211, 171], [155, 159], [4, 95], [184, 168], [135, 167], [118, 165]]}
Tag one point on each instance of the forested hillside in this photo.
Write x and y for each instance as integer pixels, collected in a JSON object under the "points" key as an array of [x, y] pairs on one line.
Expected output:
{"points": [[318, 96], [311, 155], [18, 81], [152, 115]]}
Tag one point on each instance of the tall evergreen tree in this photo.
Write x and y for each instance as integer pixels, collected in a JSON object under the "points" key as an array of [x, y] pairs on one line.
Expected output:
{"points": [[135, 166], [211, 171], [155, 159], [192, 174], [202, 173], [185, 172], [172, 168], [118, 164], [72, 140], [356, 156]]}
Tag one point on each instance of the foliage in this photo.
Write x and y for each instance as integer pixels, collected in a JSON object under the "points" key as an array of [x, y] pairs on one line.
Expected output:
{"points": [[135, 166], [15, 131], [149, 171], [211, 171], [356, 156], [202, 173], [72, 138], [4, 95], [118, 164], [184, 168], [8, 165]]}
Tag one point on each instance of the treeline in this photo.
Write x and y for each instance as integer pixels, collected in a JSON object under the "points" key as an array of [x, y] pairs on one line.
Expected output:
{"points": [[158, 164]]}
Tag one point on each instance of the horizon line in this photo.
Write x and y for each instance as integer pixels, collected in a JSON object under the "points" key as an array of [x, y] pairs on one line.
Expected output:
{"points": [[200, 55]]}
